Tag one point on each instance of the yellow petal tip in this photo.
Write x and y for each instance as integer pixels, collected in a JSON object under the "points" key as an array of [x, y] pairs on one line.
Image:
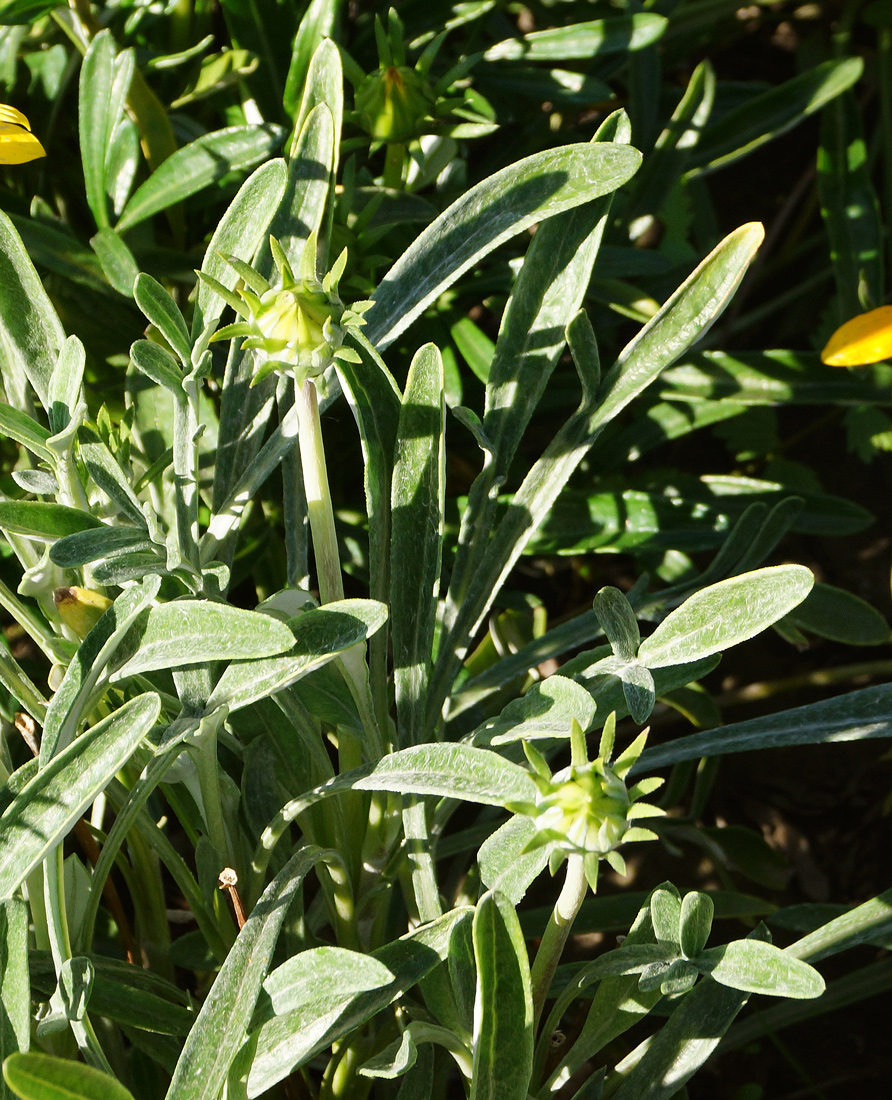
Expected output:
{"points": [[862, 340]]}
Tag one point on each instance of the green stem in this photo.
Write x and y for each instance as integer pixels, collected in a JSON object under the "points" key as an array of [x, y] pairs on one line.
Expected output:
{"points": [[322, 525], [556, 933], [325, 550], [60, 947]]}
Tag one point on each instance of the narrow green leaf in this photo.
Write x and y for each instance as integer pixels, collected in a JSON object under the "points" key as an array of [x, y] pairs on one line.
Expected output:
{"points": [[417, 535], [774, 377], [289, 1041], [315, 29], [639, 690], [126, 994], [107, 474], [618, 621], [163, 312], [452, 771], [20, 427], [38, 519], [213, 1042], [310, 174], [718, 617], [865, 923], [44, 1077], [757, 967], [859, 715], [503, 1008], [489, 214], [375, 402], [325, 976], [665, 914], [850, 207], [842, 616], [696, 922], [118, 262], [196, 166], [772, 113], [94, 120], [41, 815], [504, 863], [15, 985], [681, 321], [157, 364], [596, 38], [664, 166], [30, 327], [659, 1068], [19, 13], [105, 542], [66, 384], [186, 632], [319, 636]]}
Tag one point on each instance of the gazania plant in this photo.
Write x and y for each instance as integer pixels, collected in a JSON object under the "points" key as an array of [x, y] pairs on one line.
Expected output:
{"points": [[325, 832]]}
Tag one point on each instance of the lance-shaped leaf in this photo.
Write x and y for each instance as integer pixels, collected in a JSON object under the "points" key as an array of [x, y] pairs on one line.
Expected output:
{"points": [[239, 232], [594, 38], [290, 1040], [31, 330], [856, 716], [15, 985], [545, 711], [38, 519], [417, 535], [452, 771], [503, 1007], [187, 632], [196, 166], [41, 815], [758, 967], [725, 614], [319, 636], [213, 1042], [44, 1077], [489, 214]]}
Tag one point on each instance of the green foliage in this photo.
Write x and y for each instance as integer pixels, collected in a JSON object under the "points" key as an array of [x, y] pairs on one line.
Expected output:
{"points": [[271, 544]]}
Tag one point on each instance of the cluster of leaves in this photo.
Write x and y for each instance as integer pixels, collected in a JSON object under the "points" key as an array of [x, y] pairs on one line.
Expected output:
{"points": [[364, 769]]}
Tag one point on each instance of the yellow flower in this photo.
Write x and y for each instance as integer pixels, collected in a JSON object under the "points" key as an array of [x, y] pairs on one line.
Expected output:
{"points": [[17, 144], [864, 339]]}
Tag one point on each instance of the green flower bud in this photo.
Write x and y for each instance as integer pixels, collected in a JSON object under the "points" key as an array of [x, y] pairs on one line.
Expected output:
{"points": [[394, 104], [297, 326], [587, 809]]}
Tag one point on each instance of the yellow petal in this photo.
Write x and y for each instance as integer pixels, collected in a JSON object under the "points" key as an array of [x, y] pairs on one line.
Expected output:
{"points": [[80, 608], [18, 146], [10, 114], [865, 339]]}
